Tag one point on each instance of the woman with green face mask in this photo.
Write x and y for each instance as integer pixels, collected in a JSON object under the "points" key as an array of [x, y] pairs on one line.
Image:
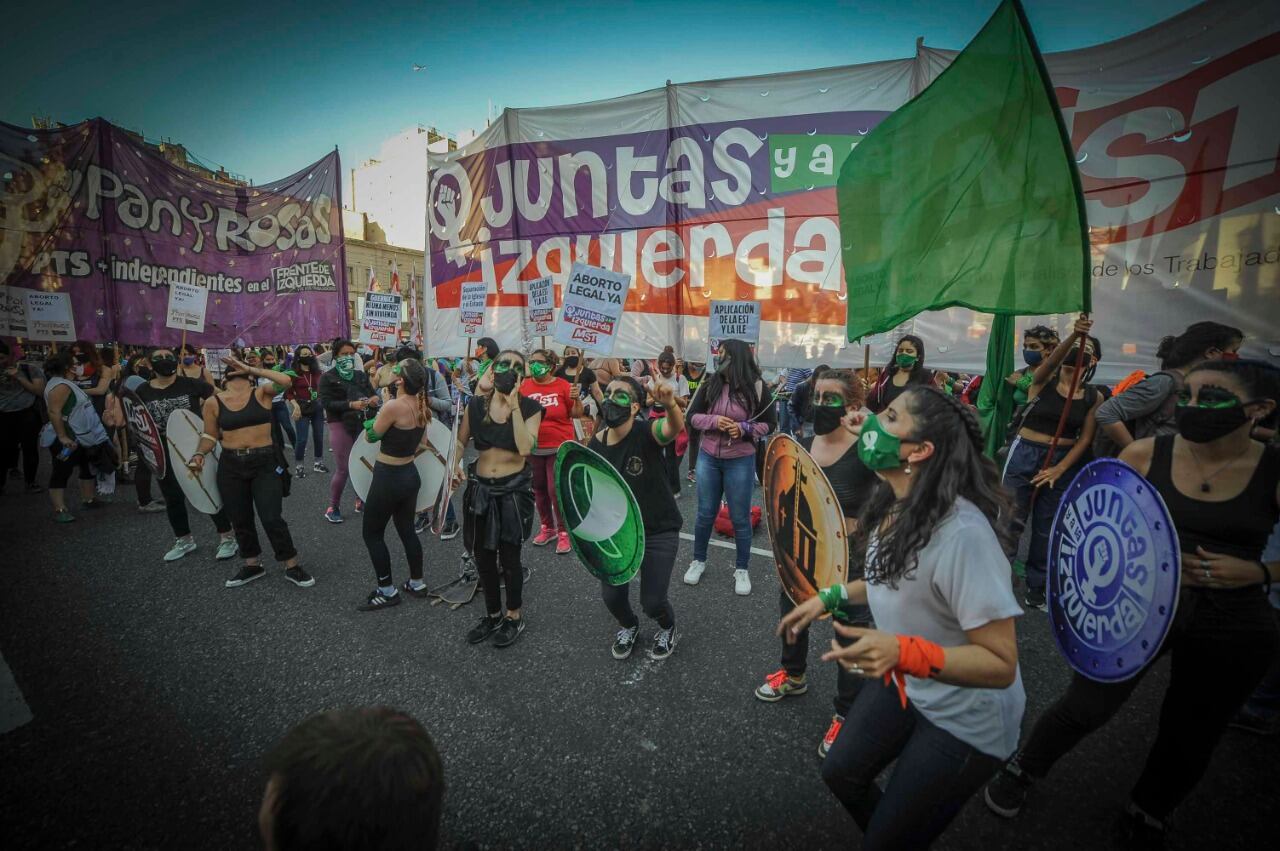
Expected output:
{"points": [[348, 398], [943, 695], [560, 406], [906, 369]]}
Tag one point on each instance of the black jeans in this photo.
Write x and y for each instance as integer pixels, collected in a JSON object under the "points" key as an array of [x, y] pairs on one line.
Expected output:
{"points": [[249, 481], [487, 562], [393, 496], [935, 775], [19, 431], [655, 579], [795, 657], [1221, 644], [175, 504]]}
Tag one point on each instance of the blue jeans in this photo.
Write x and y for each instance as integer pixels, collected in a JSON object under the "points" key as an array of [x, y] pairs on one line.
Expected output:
{"points": [[280, 410], [306, 425], [731, 479], [1026, 458], [785, 420]]}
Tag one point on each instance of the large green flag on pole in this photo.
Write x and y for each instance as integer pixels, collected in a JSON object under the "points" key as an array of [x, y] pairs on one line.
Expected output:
{"points": [[968, 195], [995, 396]]}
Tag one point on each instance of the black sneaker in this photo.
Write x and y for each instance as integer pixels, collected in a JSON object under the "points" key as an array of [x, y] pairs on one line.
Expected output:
{"points": [[299, 577], [625, 642], [319, 467], [1034, 599], [299, 471], [1007, 791], [450, 531], [508, 632], [421, 593], [247, 574], [377, 600], [664, 641], [420, 523], [485, 627]]}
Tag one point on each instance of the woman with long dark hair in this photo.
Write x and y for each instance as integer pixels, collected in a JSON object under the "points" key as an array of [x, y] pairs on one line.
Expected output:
{"points": [[732, 410], [1148, 408], [399, 429], [906, 369], [1222, 490], [305, 393], [252, 471], [945, 696], [837, 407], [1029, 472], [497, 505]]}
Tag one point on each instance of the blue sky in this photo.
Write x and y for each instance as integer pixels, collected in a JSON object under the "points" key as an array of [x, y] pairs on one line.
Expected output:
{"points": [[264, 88]]}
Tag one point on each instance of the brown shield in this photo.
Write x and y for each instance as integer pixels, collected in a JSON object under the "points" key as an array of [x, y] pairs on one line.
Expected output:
{"points": [[805, 525]]}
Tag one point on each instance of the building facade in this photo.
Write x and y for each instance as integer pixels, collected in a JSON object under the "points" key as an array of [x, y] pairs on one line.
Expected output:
{"points": [[367, 249]]}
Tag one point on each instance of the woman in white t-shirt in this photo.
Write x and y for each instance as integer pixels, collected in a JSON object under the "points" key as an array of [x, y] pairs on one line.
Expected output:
{"points": [[946, 697]]}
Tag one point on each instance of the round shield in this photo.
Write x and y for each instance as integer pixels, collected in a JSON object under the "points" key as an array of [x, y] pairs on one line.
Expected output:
{"points": [[142, 427], [429, 459], [1114, 572], [182, 434], [600, 513], [806, 526]]}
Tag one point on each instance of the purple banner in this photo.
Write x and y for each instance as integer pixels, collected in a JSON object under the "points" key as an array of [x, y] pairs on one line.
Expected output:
{"points": [[93, 211]]}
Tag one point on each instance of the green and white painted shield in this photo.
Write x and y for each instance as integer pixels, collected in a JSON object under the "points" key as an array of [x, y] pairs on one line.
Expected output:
{"points": [[601, 514]]}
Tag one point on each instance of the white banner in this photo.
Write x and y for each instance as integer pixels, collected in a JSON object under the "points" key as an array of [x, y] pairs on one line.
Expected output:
{"points": [[592, 312], [725, 190], [49, 316], [380, 321], [187, 304]]}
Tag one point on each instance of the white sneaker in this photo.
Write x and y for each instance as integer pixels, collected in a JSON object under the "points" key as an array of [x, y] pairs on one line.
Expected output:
{"points": [[694, 573], [741, 583], [181, 547]]}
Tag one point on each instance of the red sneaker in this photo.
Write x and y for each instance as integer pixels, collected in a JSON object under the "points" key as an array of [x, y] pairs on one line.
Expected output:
{"points": [[833, 732], [562, 543], [544, 536]]}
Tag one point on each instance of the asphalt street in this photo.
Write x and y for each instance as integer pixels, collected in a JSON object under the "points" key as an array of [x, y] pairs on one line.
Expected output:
{"points": [[153, 693]]}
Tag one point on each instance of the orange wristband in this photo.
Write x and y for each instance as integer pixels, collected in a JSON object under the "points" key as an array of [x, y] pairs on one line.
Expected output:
{"points": [[917, 657]]}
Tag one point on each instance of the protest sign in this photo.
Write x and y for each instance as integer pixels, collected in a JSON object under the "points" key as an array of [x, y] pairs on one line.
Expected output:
{"points": [[49, 316], [592, 310], [380, 322], [187, 304], [471, 308], [542, 303], [733, 320]]}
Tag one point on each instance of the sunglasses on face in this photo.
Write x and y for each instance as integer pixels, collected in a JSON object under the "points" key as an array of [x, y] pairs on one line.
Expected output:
{"points": [[509, 366]]}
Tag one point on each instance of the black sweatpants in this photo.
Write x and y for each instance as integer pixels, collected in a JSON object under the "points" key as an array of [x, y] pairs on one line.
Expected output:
{"points": [[175, 503], [655, 579], [19, 432], [935, 775], [1221, 644], [393, 497], [248, 482]]}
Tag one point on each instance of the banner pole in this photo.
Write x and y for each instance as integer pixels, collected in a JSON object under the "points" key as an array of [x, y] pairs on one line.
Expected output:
{"points": [[182, 347]]}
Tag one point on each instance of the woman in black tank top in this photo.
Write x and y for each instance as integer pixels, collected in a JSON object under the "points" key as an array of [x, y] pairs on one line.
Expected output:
{"points": [[1037, 481], [399, 430], [252, 470], [837, 397], [1222, 490]]}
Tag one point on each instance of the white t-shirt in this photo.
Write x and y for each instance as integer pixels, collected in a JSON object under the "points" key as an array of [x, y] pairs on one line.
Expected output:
{"points": [[963, 581]]}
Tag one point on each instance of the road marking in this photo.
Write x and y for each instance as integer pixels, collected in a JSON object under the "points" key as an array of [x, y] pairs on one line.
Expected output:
{"points": [[728, 545], [14, 711]]}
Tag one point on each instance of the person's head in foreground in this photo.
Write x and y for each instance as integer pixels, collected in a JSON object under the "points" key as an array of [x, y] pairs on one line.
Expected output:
{"points": [[365, 779]]}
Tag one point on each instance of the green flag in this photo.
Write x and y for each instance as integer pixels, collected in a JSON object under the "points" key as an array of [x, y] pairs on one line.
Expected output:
{"points": [[968, 195], [995, 396]]}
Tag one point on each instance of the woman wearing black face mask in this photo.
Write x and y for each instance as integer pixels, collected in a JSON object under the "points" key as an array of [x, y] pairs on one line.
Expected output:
{"points": [[305, 392], [497, 505], [165, 393], [633, 445], [1222, 490], [1033, 484], [838, 400]]}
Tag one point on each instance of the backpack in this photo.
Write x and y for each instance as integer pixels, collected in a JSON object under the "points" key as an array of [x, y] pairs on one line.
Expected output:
{"points": [[1144, 426]]}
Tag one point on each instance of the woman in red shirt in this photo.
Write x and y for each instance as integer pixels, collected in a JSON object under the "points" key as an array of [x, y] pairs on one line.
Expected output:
{"points": [[560, 404]]}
